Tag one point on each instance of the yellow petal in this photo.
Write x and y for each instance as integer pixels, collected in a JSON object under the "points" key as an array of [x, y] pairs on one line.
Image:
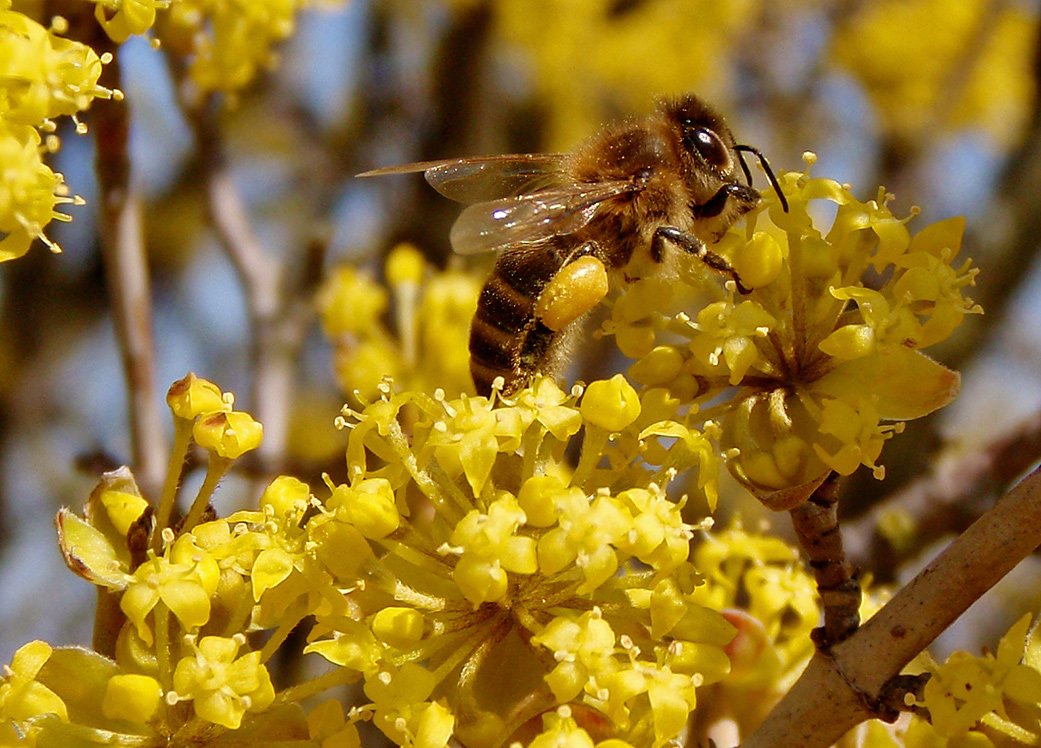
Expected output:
{"points": [[910, 384], [88, 553]]}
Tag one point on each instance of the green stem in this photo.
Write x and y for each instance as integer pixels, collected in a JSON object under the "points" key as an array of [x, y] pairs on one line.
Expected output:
{"points": [[182, 439], [161, 614], [593, 444], [285, 628], [237, 620], [531, 444], [341, 676], [432, 482], [475, 641], [218, 467], [471, 669]]}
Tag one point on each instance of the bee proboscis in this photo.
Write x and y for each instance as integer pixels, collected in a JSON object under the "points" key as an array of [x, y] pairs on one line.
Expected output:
{"points": [[561, 221]]}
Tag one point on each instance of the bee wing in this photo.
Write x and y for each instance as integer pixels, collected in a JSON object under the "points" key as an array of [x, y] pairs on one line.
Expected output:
{"points": [[531, 218], [475, 180]]}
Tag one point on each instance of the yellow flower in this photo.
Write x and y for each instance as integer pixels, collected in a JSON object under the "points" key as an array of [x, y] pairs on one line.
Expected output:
{"points": [[184, 580], [228, 434], [403, 712], [43, 76], [21, 695], [489, 547], [998, 690], [192, 396], [222, 686], [583, 649], [122, 19]]}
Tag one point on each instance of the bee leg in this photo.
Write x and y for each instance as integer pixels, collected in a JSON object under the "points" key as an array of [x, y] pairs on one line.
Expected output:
{"points": [[693, 245]]}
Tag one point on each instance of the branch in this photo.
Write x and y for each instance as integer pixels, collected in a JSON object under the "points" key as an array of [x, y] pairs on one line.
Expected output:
{"points": [[279, 317], [816, 525], [126, 274], [842, 688]]}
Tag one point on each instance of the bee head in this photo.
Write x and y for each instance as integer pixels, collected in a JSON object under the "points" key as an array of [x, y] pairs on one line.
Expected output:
{"points": [[705, 140], [709, 150]]}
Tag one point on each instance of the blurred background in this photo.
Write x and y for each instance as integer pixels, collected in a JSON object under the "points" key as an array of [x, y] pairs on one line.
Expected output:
{"points": [[936, 100]]}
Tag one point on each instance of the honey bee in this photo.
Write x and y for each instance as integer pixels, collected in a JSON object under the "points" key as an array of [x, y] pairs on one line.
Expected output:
{"points": [[564, 220]]}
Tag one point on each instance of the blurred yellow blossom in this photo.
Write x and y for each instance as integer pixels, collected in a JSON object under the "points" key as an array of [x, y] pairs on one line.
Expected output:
{"points": [[421, 343], [584, 55], [121, 19], [973, 68], [227, 42]]}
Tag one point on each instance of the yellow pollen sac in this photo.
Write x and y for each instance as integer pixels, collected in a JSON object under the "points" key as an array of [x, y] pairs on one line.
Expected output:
{"points": [[573, 291]]}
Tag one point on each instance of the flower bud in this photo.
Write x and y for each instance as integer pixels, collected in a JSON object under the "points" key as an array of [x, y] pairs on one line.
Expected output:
{"points": [[758, 262], [191, 396], [405, 264], [612, 405], [369, 506], [229, 435], [131, 697]]}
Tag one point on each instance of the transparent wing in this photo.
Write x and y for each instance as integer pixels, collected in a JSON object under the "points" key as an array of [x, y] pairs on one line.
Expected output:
{"points": [[475, 180], [531, 218]]}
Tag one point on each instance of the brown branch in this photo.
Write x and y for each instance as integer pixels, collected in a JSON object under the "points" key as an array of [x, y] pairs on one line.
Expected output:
{"points": [[843, 687], [816, 524], [126, 274], [279, 317]]}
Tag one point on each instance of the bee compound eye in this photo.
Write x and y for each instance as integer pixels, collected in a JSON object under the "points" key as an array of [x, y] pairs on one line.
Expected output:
{"points": [[709, 146]]}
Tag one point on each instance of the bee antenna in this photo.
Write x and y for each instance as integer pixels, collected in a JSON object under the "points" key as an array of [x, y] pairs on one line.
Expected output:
{"points": [[766, 167]]}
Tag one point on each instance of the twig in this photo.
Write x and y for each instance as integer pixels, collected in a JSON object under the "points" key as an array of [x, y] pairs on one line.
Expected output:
{"points": [[843, 687], [126, 273], [278, 318], [816, 524]]}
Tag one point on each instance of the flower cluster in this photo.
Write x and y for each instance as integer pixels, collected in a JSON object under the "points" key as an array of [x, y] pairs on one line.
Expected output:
{"points": [[42, 76], [462, 544], [164, 582], [494, 551], [421, 342], [824, 348]]}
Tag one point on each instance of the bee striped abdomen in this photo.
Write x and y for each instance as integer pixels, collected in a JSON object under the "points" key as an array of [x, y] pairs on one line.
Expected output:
{"points": [[506, 338]]}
